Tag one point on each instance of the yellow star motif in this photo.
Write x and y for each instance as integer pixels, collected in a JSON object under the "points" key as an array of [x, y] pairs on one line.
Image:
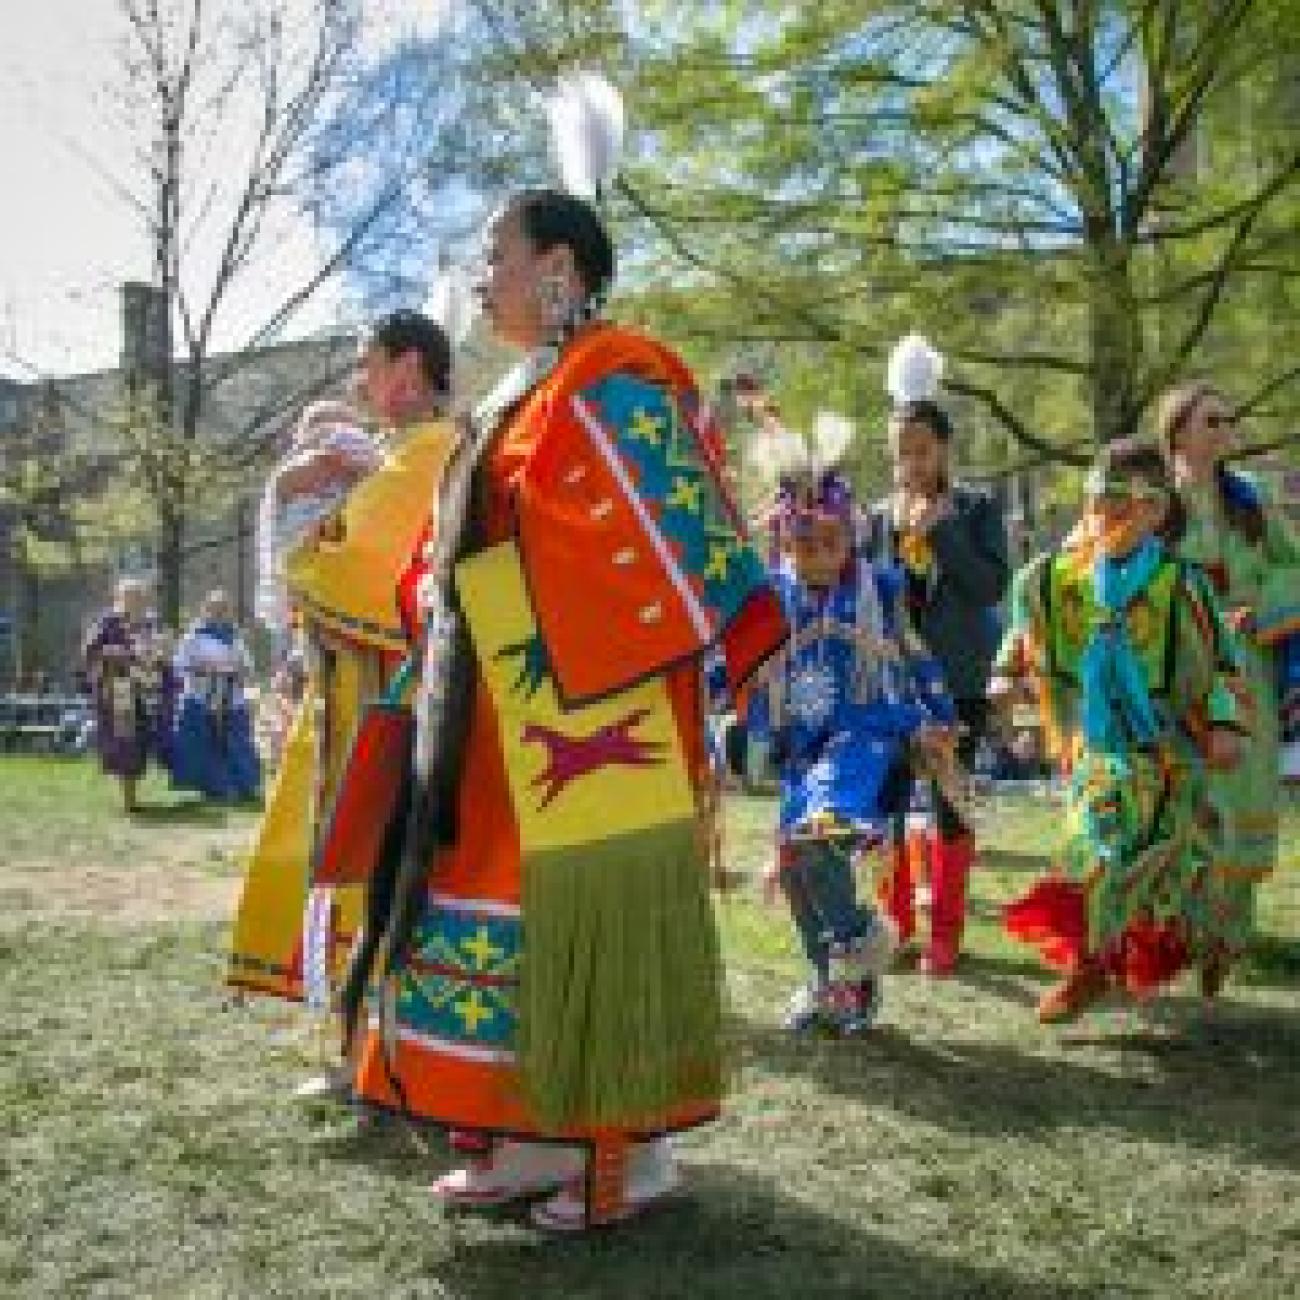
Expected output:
{"points": [[686, 495], [472, 1009], [719, 563], [645, 427], [482, 949]]}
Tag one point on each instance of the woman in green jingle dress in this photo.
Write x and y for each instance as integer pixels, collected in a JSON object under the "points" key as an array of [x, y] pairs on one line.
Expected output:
{"points": [[1123, 645], [1253, 558]]}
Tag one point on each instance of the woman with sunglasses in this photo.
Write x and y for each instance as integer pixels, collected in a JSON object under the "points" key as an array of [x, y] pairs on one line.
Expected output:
{"points": [[1131, 662], [1253, 559]]}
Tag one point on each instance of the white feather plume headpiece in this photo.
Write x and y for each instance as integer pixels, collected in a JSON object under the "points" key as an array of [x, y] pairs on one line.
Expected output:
{"points": [[778, 452], [831, 435], [587, 128], [452, 304], [915, 371]]}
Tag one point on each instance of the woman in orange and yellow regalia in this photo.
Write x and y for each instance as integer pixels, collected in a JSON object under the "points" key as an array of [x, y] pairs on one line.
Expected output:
{"points": [[553, 982]]}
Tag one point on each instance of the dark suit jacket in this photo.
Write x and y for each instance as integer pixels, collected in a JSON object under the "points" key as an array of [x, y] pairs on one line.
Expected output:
{"points": [[958, 616]]}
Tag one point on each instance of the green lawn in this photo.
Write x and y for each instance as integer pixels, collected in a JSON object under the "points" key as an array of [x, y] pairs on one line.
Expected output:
{"points": [[150, 1147]]}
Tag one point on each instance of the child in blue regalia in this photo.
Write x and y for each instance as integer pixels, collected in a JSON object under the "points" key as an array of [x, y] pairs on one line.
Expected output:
{"points": [[850, 708], [214, 749]]}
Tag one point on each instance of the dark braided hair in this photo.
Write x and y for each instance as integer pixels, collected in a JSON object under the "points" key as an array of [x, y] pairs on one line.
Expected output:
{"points": [[408, 331], [551, 218]]}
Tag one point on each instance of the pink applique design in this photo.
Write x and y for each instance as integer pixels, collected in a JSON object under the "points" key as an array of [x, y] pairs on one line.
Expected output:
{"points": [[575, 757]]}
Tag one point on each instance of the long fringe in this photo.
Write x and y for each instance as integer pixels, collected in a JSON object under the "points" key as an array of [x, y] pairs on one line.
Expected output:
{"points": [[620, 1016]]}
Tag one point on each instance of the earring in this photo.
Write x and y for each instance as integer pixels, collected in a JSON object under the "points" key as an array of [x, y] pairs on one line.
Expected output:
{"points": [[554, 299]]}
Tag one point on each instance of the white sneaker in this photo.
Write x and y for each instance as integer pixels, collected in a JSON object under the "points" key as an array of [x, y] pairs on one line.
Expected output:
{"points": [[807, 1009], [652, 1175], [513, 1172], [330, 1085]]}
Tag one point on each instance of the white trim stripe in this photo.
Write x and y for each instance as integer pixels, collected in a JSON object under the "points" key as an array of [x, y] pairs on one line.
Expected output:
{"points": [[446, 1047], [316, 949], [591, 422], [487, 906]]}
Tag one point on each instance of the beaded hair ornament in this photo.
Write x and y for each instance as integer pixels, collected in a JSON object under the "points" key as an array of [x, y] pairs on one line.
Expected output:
{"points": [[803, 472]]}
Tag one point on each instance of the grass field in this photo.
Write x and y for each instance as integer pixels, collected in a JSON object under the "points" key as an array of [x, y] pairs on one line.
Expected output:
{"points": [[150, 1147]]}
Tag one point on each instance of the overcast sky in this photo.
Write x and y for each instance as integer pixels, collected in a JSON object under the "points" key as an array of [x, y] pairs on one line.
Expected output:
{"points": [[67, 240]]}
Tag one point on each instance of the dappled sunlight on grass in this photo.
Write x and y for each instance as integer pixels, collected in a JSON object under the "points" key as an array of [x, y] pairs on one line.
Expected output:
{"points": [[151, 1146]]}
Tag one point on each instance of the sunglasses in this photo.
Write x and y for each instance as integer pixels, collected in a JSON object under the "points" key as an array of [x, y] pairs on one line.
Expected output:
{"points": [[1100, 486], [1222, 420]]}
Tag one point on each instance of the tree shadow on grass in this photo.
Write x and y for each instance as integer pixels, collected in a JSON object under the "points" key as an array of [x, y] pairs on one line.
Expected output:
{"points": [[1221, 1038], [730, 1233], [191, 812], [1273, 962], [1011, 979], [1230, 1085]]}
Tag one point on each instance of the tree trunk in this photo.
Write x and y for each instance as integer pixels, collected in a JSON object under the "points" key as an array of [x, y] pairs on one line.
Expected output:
{"points": [[1116, 342], [171, 561], [243, 562], [28, 632]]}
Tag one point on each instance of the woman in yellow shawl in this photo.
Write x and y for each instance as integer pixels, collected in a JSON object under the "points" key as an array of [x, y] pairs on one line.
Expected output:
{"points": [[370, 500]]}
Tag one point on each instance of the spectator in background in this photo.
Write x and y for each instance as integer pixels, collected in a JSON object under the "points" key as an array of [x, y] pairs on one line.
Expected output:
{"points": [[127, 660], [214, 751]]}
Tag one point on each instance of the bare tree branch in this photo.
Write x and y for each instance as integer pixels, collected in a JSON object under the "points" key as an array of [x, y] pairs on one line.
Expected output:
{"points": [[1227, 263], [1013, 424], [1169, 130]]}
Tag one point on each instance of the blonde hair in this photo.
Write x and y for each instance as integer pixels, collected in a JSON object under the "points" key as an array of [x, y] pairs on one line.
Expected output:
{"points": [[1176, 408]]}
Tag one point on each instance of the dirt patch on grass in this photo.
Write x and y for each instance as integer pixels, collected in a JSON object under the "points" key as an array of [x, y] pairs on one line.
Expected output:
{"points": [[129, 894], [176, 875]]}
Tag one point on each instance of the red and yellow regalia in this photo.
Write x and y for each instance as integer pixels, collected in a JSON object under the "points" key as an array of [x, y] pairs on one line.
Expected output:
{"points": [[341, 583], [563, 980]]}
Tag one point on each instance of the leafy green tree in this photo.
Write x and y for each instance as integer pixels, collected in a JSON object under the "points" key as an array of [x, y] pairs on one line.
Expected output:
{"points": [[41, 483], [1010, 176]]}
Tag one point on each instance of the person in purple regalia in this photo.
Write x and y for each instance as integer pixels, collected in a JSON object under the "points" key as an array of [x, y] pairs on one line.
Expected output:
{"points": [[127, 662]]}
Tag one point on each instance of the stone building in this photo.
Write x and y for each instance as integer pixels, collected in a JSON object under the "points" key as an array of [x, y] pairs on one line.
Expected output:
{"points": [[70, 420], [254, 399]]}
